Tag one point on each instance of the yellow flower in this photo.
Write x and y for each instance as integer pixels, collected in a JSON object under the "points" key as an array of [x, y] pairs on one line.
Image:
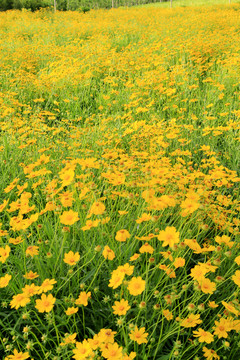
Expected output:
{"points": [[122, 212], [126, 269], [144, 217], [71, 258], [203, 336], [136, 285], [237, 260], [146, 248], [69, 339], [139, 335], [69, 217], [207, 286], [17, 355], [4, 253], [134, 257], [236, 278], [168, 314], [90, 224], [66, 198], [32, 250], [16, 241], [83, 350], [106, 336], [223, 326], [71, 311], [97, 208], [67, 176], [189, 206], [108, 253], [226, 240], [47, 285], [131, 356], [169, 236], [179, 262], [122, 235], [116, 279], [210, 354], [198, 272], [4, 280], [191, 321], [31, 290], [212, 304], [94, 342], [112, 352], [31, 275], [83, 298], [46, 303], [230, 308], [3, 205], [19, 300], [121, 307]]}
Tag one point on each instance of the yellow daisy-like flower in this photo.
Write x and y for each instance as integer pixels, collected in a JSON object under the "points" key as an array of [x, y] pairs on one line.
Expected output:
{"points": [[134, 257], [69, 339], [19, 300], [71, 258], [207, 286], [203, 336], [168, 314], [191, 321], [169, 236], [4, 280], [106, 336], [83, 350], [69, 217], [237, 260], [236, 278], [112, 352], [223, 326], [32, 250], [146, 248], [97, 208], [47, 285], [116, 279], [122, 235], [210, 354], [46, 303], [71, 311], [83, 298], [139, 335], [230, 308], [108, 253], [121, 307], [4, 253], [31, 290], [67, 177], [179, 262], [31, 275], [136, 285], [17, 355]]}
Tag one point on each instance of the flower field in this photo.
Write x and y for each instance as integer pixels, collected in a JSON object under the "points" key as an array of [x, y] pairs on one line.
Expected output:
{"points": [[119, 191]]}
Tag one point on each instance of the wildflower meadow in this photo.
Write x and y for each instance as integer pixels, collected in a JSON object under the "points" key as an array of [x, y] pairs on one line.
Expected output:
{"points": [[119, 191]]}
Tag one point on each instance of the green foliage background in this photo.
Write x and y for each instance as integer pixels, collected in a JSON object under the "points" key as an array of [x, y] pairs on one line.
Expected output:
{"points": [[68, 4]]}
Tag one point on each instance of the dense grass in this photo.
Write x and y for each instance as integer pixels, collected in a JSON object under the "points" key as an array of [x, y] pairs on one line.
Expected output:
{"points": [[119, 143]]}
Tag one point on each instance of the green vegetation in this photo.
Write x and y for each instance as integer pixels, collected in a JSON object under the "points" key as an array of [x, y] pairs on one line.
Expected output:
{"points": [[86, 5]]}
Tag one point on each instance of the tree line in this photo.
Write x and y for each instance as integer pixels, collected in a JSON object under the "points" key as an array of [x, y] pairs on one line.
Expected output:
{"points": [[65, 5]]}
